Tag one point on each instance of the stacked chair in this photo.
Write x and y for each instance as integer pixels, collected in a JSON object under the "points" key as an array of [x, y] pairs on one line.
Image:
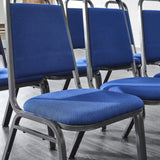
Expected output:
{"points": [[74, 110], [147, 88]]}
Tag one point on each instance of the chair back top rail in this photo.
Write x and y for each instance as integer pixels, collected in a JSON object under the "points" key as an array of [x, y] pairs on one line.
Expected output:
{"points": [[41, 52]]}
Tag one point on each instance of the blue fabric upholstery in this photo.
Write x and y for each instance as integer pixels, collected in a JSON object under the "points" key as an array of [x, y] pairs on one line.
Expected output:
{"points": [[157, 75], [146, 88], [129, 27], [82, 106], [151, 25], [109, 41], [137, 58], [4, 78], [35, 45], [75, 21]]}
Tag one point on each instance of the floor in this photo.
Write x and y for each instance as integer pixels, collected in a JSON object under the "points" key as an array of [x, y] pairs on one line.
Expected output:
{"points": [[96, 144]]}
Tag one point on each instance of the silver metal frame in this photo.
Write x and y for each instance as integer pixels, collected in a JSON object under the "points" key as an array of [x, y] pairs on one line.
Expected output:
{"points": [[55, 128]]}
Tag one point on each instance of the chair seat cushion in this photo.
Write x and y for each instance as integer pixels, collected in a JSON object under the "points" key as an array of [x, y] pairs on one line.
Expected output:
{"points": [[157, 75], [82, 106], [4, 78], [137, 58], [146, 88]]}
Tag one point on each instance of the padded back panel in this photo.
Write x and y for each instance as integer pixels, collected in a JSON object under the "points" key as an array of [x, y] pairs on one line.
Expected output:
{"points": [[129, 27], [75, 20], [40, 41], [151, 26], [110, 44]]}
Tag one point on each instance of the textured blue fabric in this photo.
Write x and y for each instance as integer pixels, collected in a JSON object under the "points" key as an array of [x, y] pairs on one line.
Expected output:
{"points": [[151, 25], [129, 27], [75, 21], [147, 88], [40, 40], [157, 75], [4, 78], [110, 46], [82, 106], [137, 58]]}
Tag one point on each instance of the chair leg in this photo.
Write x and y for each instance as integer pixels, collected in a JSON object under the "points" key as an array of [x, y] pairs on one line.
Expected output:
{"points": [[44, 86], [128, 129], [66, 83], [76, 144], [107, 76], [8, 112], [52, 145], [11, 138], [106, 80], [98, 80], [60, 140], [140, 137]]}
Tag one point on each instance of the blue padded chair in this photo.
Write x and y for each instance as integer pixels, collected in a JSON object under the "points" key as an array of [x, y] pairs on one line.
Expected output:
{"points": [[76, 110], [77, 35], [32, 81], [150, 35], [146, 88]]}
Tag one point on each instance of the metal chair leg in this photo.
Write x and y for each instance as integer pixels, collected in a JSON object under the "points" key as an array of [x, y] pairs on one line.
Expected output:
{"points": [[128, 129], [107, 76], [8, 112], [76, 144], [11, 138], [98, 80], [66, 83], [52, 145], [130, 126], [140, 137], [44, 86], [60, 140]]}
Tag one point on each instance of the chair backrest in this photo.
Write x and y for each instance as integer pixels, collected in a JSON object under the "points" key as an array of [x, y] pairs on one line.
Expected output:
{"points": [[127, 17], [75, 21], [151, 26], [40, 40], [109, 40]]}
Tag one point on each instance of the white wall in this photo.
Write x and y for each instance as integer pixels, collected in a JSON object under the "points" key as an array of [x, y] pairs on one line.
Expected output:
{"points": [[1, 12]]}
